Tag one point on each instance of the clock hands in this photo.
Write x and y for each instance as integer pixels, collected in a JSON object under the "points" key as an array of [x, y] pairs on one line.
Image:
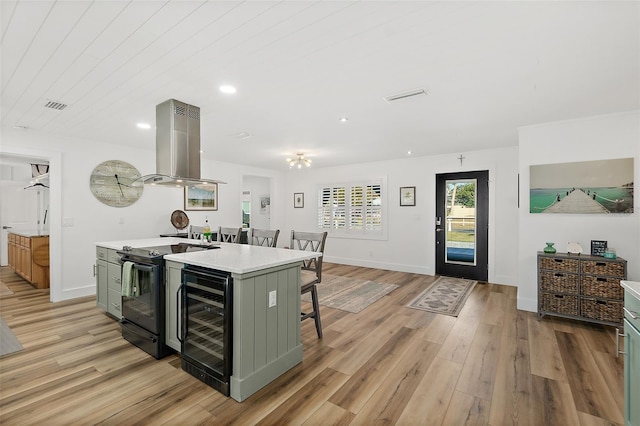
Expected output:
{"points": [[119, 185]]}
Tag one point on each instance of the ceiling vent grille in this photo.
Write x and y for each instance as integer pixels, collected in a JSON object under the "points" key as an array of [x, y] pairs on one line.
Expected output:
{"points": [[56, 105], [405, 95]]}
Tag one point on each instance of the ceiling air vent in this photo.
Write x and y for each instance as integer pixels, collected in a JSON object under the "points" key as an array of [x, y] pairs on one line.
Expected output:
{"points": [[56, 105], [405, 95]]}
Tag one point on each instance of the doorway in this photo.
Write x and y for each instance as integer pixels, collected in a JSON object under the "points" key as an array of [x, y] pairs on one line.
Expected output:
{"points": [[256, 202], [462, 224]]}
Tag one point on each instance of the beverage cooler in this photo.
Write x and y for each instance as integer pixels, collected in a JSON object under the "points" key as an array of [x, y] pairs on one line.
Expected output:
{"points": [[206, 325]]}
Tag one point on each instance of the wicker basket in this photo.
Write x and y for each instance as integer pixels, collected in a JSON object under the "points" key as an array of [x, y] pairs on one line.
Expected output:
{"points": [[559, 282], [601, 287], [609, 310], [561, 304], [612, 269], [559, 264]]}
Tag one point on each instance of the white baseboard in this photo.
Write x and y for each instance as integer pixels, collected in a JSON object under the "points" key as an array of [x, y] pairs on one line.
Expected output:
{"points": [[381, 265], [74, 293], [530, 305]]}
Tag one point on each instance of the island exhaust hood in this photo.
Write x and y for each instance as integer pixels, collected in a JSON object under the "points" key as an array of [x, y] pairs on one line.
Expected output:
{"points": [[177, 146]]}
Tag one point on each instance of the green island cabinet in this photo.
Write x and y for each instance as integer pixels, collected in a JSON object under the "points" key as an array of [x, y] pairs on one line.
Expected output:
{"points": [[266, 340], [632, 353], [108, 282]]}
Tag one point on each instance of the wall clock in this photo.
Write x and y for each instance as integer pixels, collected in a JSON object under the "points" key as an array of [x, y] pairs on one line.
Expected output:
{"points": [[115, 183]]}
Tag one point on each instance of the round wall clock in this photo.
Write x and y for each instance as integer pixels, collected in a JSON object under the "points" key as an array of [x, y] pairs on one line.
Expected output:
{"points": [[115, 183]]}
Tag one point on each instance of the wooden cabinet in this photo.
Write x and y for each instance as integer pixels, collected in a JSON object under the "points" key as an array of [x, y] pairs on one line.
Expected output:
{"points": [[108, 282], [581, 287], [28, 256]]}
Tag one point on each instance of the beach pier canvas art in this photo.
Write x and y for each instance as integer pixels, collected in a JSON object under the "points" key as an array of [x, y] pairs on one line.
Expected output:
{"points": [[601, 186]]}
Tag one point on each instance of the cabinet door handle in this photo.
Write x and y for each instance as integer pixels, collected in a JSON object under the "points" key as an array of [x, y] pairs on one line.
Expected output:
{"points": [[94, 270], [618, 336], [632, 314], [116, 305], [116, 279], [178, 312]]}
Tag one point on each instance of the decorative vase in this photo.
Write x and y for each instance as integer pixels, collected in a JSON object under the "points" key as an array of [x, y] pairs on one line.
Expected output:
{"points": [[550, 248]]}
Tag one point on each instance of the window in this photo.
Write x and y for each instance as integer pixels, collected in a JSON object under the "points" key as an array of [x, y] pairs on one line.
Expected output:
{"points": [[354, 209]]}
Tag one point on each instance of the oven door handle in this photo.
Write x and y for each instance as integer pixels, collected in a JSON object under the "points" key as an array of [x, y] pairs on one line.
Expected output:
{"points": [[145, 268], [178, 313]]}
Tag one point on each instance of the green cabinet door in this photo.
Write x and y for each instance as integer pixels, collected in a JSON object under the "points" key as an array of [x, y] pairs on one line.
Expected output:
{"points": [[632, 375]]}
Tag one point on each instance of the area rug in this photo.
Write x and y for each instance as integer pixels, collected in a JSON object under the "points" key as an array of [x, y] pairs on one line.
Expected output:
{"points": [[8, 341], [4, 290], [349, 294], [445, 296]]}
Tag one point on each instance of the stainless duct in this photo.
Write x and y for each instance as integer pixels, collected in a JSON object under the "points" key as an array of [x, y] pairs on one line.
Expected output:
{"points": [[177, 146]]}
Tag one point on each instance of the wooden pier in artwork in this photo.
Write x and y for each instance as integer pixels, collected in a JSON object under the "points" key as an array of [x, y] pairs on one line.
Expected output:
{"points": [[577, 202]]}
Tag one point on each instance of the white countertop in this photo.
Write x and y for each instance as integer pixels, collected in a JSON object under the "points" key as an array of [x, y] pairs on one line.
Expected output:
{"points": [[242, 258], [234, 258], [29, 233], [147, 242], [632, 287]]}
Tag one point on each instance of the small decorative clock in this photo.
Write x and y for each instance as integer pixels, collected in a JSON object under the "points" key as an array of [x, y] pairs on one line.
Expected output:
{"points": [[115, 183]]}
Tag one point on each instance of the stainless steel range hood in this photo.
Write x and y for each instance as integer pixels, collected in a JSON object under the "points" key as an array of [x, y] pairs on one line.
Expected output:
{"points": [[177, 146]]}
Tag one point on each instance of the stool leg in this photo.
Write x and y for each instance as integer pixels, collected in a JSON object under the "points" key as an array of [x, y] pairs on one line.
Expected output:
{"points": [[316, 310]]}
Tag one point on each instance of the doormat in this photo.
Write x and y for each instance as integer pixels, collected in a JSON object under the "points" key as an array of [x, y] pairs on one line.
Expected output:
{"points": [[445, 296], [8, 341], [349, 294]]}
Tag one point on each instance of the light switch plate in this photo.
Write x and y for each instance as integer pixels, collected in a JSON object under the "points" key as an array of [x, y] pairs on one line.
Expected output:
{"points": [[272, 298]]}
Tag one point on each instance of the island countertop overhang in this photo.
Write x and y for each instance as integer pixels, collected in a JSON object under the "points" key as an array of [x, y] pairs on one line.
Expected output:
{"points": [[234, 258]]}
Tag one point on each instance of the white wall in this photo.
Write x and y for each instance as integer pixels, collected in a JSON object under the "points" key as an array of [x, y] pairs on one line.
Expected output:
{"points": [[72, 247], [594, 138], [410, 244]]}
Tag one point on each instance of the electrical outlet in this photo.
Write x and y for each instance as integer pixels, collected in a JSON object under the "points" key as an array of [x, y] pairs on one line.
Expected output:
{"points": [[272, 298]]}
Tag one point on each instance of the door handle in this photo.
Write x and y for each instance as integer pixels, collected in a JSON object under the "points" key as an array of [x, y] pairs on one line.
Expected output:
{"points": [[6, 227], [438, 229]]}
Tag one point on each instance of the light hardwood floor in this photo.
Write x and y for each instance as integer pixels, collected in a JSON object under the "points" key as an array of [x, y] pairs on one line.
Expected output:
{"points": [[385, 365]]}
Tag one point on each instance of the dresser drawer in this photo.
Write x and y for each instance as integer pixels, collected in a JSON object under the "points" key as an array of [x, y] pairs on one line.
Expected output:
{"points": [[113, 274], [559, 264], [559, 303], [608, 268], [101, 253], [602, 310], [559, 282], [602, 287], [113, 256], [632, 305]]}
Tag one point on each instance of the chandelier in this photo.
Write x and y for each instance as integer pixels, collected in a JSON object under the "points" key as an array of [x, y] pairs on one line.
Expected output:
{"points": [[299, 161]]}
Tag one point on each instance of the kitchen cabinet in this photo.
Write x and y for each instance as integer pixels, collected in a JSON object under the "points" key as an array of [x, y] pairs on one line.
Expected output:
{"points": [[108, 281], [173, 310], [632, 352], [28, 256], [581, 287]]}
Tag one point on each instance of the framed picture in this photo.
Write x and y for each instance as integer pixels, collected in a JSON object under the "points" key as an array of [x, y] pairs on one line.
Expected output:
{"points": [[598, 248], [591, 187], [298, 200], [201, 197], [407, 196]]}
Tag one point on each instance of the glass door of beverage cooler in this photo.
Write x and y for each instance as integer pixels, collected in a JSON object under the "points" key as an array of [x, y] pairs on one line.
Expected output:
{"points": [[206, 325]]}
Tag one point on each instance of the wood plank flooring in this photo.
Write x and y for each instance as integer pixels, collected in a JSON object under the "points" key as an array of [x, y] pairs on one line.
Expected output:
{"points": [[389, 364]]}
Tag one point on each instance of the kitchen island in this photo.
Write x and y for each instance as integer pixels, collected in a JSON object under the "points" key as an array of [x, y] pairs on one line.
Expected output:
{"points": [[265, 304], [28, 256]]}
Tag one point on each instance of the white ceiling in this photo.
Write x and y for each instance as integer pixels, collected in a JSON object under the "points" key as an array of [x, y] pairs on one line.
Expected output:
{"points": [[488, 67]]}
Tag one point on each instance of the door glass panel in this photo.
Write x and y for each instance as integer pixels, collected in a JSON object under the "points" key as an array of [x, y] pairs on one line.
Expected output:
{"points": [[460, 224]]}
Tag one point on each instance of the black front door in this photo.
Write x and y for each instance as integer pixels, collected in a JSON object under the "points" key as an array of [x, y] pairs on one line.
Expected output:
{"points": [[462, 222]]}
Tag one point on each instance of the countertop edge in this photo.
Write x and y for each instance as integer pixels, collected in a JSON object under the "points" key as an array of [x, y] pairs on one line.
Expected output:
{"points": [[632, 287]]}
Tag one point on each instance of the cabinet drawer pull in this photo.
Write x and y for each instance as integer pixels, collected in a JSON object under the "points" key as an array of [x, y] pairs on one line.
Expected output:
{"points": [[632, 314], [601, 279], [601, 264], [559, 296], [116, 279], [558, 274], [116, 305], [601, 302], [558, 260]]}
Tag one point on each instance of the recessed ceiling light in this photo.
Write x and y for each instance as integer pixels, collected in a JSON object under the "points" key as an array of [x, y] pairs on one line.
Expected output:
{"points": [[228, 89], [144, 126], [409, 152], [343, 119], [20, 127]]}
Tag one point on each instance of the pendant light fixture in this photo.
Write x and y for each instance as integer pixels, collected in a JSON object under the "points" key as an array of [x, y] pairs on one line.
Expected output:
{"points": [[299, 161]]}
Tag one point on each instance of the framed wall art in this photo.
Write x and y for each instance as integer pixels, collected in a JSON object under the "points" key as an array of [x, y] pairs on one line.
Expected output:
{"points": [[407, 196], [201, 197], [298, 200], [586, 187]]}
